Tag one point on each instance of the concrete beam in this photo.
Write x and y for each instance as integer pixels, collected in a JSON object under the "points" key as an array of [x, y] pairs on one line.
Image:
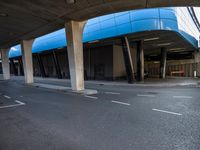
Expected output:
{"points": [[163, 63], [26, 46], [74, 33], [140, 61], [5, 63]]}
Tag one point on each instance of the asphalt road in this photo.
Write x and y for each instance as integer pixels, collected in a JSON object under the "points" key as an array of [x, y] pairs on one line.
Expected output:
{"points": [[117, 118]]}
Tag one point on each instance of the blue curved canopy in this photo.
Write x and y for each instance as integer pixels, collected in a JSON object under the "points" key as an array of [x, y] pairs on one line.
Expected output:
{"points": [[173, 19]]}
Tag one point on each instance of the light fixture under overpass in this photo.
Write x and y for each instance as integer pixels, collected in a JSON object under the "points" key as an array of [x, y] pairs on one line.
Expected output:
{"points": [[164, 44], [70, 1], [96, 41], [174, 49], [151, 39], [3, 14]]}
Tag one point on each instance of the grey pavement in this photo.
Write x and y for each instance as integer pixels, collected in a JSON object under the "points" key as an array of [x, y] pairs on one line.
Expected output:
{"points": [[151, 82], [118, 117]]}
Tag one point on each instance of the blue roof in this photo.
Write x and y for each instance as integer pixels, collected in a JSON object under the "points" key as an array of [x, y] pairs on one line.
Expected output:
{"points": [[173, 19]]}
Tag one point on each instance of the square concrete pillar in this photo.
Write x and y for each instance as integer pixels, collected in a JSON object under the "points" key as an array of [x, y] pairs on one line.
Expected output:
{"points": [[26, 46], [197, 64], [5, 63], [74, 33], [163, 63], [140, 61], [197, 57]]}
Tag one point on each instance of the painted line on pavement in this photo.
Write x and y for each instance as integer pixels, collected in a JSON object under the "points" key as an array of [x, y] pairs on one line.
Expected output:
{"points": [[143, 95], [19, 103], [121, 103], [8, 97], [92, 97], [168, 112], [183, 97], [113, 93]]}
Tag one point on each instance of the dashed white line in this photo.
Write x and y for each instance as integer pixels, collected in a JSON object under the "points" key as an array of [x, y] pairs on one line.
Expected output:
{"points": [[19, 103], [8, 97], [168, 112], [117, 102], [143, 95], [113, 93], [183, 97], [92, 97]]}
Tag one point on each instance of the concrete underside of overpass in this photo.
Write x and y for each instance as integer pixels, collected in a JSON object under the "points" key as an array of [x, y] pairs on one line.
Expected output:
{"points": [[21, 20]]}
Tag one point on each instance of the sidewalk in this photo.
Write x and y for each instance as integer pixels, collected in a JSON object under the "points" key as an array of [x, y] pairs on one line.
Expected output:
{"points": [[151, 82]]}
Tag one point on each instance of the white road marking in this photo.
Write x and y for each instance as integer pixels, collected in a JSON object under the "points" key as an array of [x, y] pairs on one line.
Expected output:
{"points": [[19, 103], [117, 102], [183, 97], [8, 97], [92, 97], [143, 95], [113, 93], [168, 112]]}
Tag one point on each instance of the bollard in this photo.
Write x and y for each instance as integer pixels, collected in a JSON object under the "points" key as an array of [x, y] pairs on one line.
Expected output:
{"points": [[195, 74]]}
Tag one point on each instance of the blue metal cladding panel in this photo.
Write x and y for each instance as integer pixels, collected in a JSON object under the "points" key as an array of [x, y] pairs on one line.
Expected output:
{"points": [[174, 19], [15, 51]]}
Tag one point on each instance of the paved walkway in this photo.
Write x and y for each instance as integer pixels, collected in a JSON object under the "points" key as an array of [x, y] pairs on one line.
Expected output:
{"points": [[64, 84], [151, 82]]}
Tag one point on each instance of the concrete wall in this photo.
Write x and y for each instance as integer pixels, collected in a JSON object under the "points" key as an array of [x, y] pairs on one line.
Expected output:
{"points": [[119, 70], [48, 64], [101, 63], [63, 61]]}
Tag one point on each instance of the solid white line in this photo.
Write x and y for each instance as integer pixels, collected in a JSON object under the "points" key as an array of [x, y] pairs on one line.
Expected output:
{"points": [[92, 97], [117, 102], [10, 106], [183, 97], [141, 95], [114, 93], [8, 97], [168, 112]]}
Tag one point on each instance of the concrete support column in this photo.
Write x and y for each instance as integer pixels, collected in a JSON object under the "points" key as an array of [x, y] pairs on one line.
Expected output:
{"points": [[57, 65], [41, 66], [14, 67], [20, 67], [197, 64], [74, 32], [5, 63], [140, 61], [128, 59], [163, 63], [26, 46]]}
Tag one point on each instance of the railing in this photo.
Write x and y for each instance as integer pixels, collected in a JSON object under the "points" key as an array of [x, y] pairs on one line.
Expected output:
{"points": [[181, 70]]}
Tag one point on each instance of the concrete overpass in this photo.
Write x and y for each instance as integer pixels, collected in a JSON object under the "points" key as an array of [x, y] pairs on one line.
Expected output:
{"points": [[22, 21]]}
